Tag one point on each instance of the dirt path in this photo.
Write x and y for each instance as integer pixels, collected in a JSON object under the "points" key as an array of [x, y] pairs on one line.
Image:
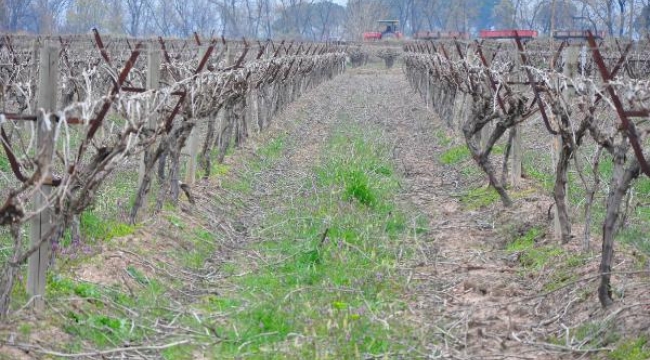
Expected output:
{"points": [[465, 299], [459, 283], [475, 292]]}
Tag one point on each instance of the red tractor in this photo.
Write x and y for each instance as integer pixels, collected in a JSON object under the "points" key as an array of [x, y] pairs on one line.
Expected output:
{"points": [[390, 32]]}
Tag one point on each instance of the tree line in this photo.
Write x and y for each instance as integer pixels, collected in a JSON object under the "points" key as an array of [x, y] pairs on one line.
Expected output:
{"points": [[319, 20]]}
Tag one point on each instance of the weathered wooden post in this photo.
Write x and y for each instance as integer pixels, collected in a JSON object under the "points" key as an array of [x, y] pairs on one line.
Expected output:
{"points": [[36, 57], [153, 82], [193, 142], [45, 124], [516, 155]]}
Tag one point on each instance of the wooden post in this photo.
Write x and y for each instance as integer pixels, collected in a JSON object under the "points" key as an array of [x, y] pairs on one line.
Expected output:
{"points": [[153, 82], [36, 50], [193, 143], [230, 53], [516, 156], [427, 82], [41, 223]]}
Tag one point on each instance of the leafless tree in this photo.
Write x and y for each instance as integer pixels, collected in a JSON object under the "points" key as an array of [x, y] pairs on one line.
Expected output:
{"points": [[17, 13], [138, 11], [362, 15], [48, 15]]}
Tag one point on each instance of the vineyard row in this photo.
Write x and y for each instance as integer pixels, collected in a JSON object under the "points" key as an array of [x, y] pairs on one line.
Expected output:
{"points": [[587, 96], [74, 111]]}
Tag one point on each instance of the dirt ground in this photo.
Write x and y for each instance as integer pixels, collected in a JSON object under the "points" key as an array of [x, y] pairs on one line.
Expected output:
{"points": [[466, 291], [467, 297]]}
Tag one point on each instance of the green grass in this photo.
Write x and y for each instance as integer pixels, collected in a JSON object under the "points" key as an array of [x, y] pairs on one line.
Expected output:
{"points": [[117, 194], [322, 281], [535, 257], [633, 349], [332, 290], [526, 241], [442, 138], [478, 198], [544, 178], [274, 149], [100, 319], [330, 256], [94, 228], [5, 167], [201, 249], [455, 155], [266, 155]]}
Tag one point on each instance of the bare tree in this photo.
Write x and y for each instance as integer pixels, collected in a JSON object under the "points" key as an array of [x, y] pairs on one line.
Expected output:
{"points": [[48, 15], [137, 11], [83, 15], [362, 15], [17, 13]]}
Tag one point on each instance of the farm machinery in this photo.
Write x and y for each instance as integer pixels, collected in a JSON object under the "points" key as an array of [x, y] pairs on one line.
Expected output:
{"points": [[390, 31]]}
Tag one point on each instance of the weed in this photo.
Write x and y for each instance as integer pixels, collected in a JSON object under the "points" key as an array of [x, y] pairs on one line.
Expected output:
{"points": [[176, 221], [455, 155], [442, 138], [94, 228], [636, 236], [559, 279], [25, 329], [537, 258], [102, 330], [396, 224], [137, 275], [526, 241], [299, 290], [357, 187], [537, 165], [59, 285], [4, 164], [634, 349], [479, 197], [184, 351], [498, 150], [533, 257], [595, 334], [273, 149], [576, 260]]}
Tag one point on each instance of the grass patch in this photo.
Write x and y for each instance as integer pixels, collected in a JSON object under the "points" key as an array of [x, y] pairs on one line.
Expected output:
{"points": [[4, 162], [329, 256], [61, 286], [534, 257], [202, 246], [245, 180], [94, 228], [537, 165], [455, 155], [479, 197], [274, 149], [442, 138], [633, 349], [526, 241], [98, 316]]}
